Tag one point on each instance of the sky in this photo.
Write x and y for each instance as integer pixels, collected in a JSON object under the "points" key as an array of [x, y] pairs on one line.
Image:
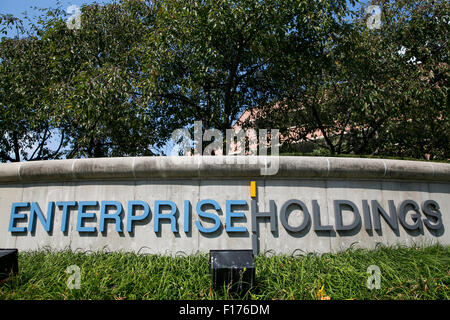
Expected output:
{"points": [[18, 7]]}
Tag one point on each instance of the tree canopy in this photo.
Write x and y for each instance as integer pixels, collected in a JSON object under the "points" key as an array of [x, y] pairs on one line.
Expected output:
{"points": [[380, 90], [137, 70]]}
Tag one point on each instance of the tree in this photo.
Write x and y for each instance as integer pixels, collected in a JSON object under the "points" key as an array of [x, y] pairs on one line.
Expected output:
{"points": [[80, 86], [137, 70], [98, 71], [305, 66], [422, 127], [369, 97], [25, 127], [210, 59]]}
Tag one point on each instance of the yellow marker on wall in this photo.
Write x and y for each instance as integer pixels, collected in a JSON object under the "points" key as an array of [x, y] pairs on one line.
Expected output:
{"points": [[252, 189]]}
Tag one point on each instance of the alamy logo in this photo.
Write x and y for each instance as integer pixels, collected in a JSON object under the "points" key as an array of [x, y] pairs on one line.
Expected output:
{"points": [[74, 280], [236, 142], [374, 19], [374, 280], [74, 21]]}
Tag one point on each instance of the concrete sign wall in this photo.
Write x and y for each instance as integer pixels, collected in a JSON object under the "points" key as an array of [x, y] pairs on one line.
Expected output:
{"points": [[189, 204]]}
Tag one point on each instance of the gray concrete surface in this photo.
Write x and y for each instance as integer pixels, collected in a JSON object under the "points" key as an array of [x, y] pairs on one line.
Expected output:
{"points": [[308, 179]]}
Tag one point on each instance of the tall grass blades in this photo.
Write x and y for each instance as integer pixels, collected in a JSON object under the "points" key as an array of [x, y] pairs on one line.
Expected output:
{"points": [[405, 273]]}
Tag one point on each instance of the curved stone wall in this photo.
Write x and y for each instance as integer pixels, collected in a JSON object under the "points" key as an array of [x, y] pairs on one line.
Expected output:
{"points": [[189, 204]]}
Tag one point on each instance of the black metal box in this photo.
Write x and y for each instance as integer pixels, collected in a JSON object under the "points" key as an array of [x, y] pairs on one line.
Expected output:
{"points": [[8, 263], [233, 268]]}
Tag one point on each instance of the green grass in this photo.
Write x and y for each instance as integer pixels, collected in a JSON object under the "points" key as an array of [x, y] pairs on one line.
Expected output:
{"points": [[406, 273]]}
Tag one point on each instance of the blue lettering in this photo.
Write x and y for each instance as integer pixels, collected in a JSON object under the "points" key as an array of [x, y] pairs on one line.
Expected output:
{"points": [[131, 217], [187, 216], [170, 216], [115, 216], [65, 213], [208, 215], [37, 212], [14, 215], [85, 215], [230, 214]]}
